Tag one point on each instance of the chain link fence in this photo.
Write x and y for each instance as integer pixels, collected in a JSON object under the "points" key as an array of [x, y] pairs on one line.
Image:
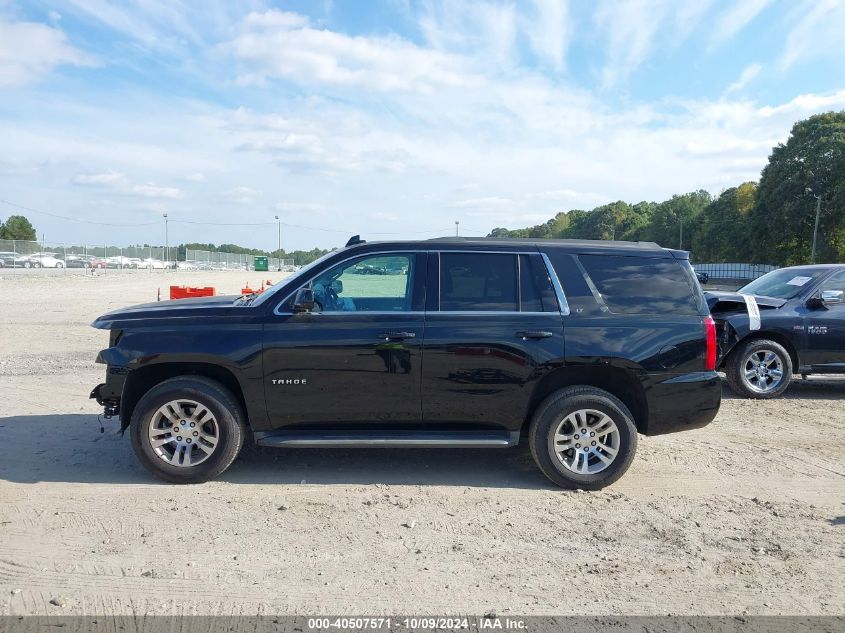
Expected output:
{"points": [[213, 260], [20, 255], [736, 271]]}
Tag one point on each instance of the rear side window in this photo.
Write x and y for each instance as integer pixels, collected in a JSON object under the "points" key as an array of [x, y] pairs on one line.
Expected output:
{"points": [[639, 285], [478, 282], [535, 287]]}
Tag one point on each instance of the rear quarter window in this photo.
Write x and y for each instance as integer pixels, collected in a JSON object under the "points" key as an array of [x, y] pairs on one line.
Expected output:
{"points": [[638, 285]]}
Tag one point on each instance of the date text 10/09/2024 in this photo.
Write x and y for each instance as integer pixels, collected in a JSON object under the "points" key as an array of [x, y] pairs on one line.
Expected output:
{"points": [[484, 623]]}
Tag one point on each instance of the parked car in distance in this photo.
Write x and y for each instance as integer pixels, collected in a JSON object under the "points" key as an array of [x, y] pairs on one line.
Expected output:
{"points": [[78, 261], [47, 260], [17, 260], [121, 262], [153, 264], [789, 321], [473, 344], [703, 278]]}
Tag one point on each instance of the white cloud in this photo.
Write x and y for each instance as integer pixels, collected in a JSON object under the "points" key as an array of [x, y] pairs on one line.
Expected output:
{"points": [[734, 19], [549, 31], [745, 77], [29, 50], [490, 202], [282, 45], [817, 31], [108, 178], [119, 183], [241, 195], [151, 190], [196, 177], [630, 28]]}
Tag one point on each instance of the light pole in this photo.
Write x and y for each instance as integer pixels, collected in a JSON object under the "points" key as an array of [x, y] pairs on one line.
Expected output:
{"points": [[279, 253], [457, 224], [166, 241], [816, 227]]}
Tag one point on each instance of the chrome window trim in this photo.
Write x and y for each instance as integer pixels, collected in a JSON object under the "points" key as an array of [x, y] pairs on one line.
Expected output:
{"points": [[277, 312], [563, 304]]}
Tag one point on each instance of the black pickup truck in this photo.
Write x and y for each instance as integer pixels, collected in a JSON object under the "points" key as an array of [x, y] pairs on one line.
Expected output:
{"points": [[577, 346], [791, 320]]}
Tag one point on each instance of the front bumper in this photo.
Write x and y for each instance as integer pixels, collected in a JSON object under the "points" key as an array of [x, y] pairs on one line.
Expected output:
{"points": [[108, 394]]}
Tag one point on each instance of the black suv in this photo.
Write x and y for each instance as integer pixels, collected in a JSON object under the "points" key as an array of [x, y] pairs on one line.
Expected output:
{"points": [[576, 345], [791, 320]]}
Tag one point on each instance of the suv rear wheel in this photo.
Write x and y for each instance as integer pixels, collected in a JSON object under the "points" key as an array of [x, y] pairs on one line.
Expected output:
{"points": [[187, 429], [759, 369], [583, 437]]}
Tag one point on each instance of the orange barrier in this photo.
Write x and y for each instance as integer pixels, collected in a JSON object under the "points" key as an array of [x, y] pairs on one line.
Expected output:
{"points": [[186, 292], [248, 291]]}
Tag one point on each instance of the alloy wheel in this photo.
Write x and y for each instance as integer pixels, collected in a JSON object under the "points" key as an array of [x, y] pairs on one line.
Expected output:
{"points": [[586, 441], [183, 433], [762, 371]]}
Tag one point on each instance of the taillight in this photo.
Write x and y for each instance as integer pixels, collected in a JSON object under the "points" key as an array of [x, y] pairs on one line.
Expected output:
{"points": [[710, 338]]}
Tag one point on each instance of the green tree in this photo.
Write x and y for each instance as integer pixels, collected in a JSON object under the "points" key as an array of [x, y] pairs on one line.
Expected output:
{"points": [[813, 157], [676, 220], [724, 230], [17, 227]]}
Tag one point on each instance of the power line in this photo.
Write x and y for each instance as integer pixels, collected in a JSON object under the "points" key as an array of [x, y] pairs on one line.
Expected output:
{"points": [[207, 223], [65, 217]]}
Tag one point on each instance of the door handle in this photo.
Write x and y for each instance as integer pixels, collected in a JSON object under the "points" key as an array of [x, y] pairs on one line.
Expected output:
{"points": [[397, 336], [525, 335]]}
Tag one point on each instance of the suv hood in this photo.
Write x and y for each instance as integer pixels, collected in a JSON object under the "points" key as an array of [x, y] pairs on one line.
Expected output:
{"points": [[179, 308], [731, 301]]}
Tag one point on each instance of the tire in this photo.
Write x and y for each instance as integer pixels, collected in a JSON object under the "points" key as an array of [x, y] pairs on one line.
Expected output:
{"points": [[741, 362], [27, 265], [59, 265], [591, 407], [226, 419]]}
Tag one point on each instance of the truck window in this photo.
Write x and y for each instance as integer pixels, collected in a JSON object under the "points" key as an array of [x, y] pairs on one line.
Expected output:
{"points": [[478, 282], [640, 285]]}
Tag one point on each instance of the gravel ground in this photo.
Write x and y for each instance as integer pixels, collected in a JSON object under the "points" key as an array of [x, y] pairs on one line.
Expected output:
{"points": [[745, 516]]}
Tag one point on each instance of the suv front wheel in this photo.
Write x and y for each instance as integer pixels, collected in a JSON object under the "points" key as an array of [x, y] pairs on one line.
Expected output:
{"points": [[187, 429], [583, 437]]}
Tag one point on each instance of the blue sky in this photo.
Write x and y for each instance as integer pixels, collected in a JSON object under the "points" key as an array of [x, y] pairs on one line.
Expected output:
{"points": [[392, 118]]}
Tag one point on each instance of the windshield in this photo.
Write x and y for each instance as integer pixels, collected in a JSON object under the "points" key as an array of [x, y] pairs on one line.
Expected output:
{"points": [[264, 296], [784, 283]]}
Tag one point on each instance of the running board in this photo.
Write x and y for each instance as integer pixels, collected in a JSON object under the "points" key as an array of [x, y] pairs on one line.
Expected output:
{"points": [[441, 439]]}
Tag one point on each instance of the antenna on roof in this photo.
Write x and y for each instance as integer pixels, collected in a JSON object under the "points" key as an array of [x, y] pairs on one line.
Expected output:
{"points": [[355, 239]]}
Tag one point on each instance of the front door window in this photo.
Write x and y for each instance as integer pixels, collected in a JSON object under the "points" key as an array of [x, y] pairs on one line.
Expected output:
{"points": [[380, 283]]}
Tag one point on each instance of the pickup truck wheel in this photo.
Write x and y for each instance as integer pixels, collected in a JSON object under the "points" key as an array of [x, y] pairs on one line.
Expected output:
{"points": [[187, 429], [759, 369], [583, 437]]}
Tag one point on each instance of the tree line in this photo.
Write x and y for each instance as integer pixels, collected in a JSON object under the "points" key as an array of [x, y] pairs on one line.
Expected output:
{"points": [[771, 221]]}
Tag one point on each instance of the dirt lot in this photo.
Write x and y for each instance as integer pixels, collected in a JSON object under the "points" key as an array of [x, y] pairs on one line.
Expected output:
{"points": [[745, 516]]}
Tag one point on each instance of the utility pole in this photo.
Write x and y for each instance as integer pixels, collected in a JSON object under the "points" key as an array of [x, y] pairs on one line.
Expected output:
{"points": [[166, 241], [816, 227], [279, 254], [681, 235], [457, 224]]}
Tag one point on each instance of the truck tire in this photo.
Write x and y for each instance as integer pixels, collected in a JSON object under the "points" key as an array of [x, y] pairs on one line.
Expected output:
{"points": [[187, 429], [583, 437], [759, 368]]}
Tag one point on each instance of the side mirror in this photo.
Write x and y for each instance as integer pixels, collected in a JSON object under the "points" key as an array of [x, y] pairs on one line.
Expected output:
{"points": [[304, 300], [833, 297]]}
